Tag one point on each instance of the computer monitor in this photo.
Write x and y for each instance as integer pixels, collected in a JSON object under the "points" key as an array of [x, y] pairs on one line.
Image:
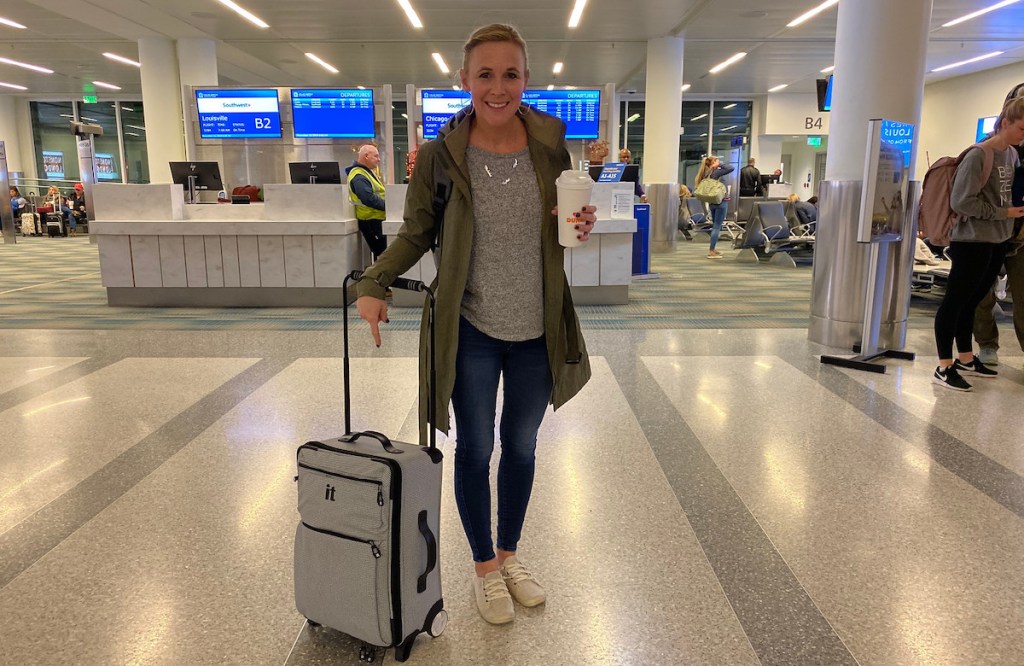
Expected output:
{"points": [[986, 126], [195, 176], [824, 94], [315, 173]]}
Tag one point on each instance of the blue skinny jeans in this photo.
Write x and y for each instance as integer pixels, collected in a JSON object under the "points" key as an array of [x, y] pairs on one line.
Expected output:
{"points": [[480, 361], [717, 220]]}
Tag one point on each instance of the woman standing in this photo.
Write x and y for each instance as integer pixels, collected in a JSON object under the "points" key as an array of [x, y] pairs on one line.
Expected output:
{"points": [[978, 245], [712, 168], [503, 302]]}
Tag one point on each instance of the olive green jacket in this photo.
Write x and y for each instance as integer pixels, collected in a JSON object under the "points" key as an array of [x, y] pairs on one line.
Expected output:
{"points": [[567, 355]]}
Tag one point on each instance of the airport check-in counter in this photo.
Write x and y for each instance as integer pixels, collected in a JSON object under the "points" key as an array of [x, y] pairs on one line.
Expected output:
{"points": [[293, 250], [599, 271]]}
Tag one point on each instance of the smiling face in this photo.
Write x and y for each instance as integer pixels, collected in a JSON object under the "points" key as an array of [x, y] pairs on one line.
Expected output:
{"points": [[495, 77]]}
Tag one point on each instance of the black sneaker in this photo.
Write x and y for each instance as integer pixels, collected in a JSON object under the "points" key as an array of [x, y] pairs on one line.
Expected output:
{"points": [[974, 369], [951, 379]]}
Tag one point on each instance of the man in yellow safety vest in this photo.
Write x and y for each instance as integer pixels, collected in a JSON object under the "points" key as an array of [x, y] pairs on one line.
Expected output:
{"points": [[366, 191]]}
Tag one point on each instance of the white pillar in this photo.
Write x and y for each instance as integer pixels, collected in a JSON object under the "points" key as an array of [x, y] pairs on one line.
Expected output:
{"points": [[9, 133], [663, 116], [161, 98], [197, 66], [28, 146], [880, 59], [880, 65]]}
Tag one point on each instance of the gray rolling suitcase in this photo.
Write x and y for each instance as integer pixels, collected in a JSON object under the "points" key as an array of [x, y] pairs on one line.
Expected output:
{"points": [[366, 547]]}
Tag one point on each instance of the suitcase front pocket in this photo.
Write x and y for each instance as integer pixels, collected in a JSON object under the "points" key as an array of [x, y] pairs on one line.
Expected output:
{"points": [[340, 502], [341, 582]]}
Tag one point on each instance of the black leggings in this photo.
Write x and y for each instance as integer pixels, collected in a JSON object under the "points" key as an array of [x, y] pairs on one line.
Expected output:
{"points": [[975, 268]]}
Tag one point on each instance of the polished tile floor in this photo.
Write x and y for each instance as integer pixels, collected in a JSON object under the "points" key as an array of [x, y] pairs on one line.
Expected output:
{"points": [[711, 497]]}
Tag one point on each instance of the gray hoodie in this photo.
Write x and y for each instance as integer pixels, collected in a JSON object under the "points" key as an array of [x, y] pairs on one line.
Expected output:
{"points": [[984, 210]]}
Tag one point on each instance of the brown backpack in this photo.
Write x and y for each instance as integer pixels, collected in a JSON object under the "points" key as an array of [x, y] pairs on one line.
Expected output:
{"points": [[935, 215]]}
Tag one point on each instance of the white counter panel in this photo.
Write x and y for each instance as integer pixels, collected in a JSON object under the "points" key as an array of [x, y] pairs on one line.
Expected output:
{"points": [[229, 253], [172, 261], [146, 261], [331, 260], [118, 201], [271, 249], [249, 261], [195, 261], [116, 261], [586, 264], [298, 261], [225, 213], [616, 258], [214, 262]]}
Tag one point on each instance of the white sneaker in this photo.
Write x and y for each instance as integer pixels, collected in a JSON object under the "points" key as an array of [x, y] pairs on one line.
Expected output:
{"points": [[988, 356], [492, 598], [524, 587]]}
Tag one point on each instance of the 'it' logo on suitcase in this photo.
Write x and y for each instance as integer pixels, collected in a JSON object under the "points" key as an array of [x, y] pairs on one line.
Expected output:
{"points": [[329, 493]]}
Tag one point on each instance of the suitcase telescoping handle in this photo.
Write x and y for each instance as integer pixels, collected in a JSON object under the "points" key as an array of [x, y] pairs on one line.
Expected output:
{"points": [[408, 285]]}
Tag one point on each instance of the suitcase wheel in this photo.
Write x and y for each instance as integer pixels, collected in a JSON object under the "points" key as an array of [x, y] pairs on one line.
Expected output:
{"points": [[438, 624], [312, 624]]}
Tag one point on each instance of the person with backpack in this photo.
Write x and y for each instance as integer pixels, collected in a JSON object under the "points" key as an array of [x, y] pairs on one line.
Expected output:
{"points": [[978, 244], [504, 308], [711, 168], [986, 332]]}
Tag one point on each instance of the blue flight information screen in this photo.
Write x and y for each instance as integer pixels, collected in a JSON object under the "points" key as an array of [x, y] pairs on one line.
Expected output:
{"points": [[333, 114], [579, 109], [438, 107], [238, 114]]}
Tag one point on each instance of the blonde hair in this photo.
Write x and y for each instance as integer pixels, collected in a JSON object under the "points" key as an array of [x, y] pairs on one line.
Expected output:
{"points": [[1011, 113], [496, 32], [705, 168]]}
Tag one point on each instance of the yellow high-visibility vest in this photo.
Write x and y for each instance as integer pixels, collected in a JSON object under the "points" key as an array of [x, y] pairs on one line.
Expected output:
{"points": [[364, 212]]}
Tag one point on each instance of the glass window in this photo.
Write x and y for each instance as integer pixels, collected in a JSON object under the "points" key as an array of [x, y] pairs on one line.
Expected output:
{"points": [[133, 130], [400, 132], [633, 131], [55, 146], [107, 151], [693, 141], [732, 121]]}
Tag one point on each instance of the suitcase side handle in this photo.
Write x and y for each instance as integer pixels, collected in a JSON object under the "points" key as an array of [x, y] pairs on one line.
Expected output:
{"points": [[412, 285], [428, 536]]}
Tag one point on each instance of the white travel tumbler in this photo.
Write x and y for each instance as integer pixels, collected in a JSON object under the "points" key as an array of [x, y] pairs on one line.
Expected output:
{"points": [[574, 189]]}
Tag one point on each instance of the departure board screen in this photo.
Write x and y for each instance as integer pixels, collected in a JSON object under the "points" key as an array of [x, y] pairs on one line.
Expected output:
{"points": [[333, 114], [238, 114], [438, 107], [579, 109]]}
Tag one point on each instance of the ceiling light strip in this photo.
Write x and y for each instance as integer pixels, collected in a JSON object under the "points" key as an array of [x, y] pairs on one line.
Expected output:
{"points": [[557, 69], [25, 65], [968, 62], [828, 69], [577, 13], [722, 65], [109, 86], [13, 85], [245, 13], [812, 13], [127, 61], [441, 64], [13, 24], [326, 65], [411, 13], [686, 86], [778, 88], [986, 10]]}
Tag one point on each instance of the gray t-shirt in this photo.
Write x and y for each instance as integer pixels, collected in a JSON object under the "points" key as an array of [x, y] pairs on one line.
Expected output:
{"points": [[504, 295], [984, 212]]}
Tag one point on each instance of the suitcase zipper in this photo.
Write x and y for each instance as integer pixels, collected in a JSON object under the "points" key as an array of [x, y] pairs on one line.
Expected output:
{"points": [[379, 484], [372, 544]]}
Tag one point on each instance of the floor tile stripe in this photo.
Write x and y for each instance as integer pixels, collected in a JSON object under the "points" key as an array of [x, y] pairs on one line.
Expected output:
{"points": [[1002, 485], [23, 545], [781, 621], [34, 389]]}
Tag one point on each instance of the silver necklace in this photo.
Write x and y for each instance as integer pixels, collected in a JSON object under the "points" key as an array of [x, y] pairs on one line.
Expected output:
{"points": [[490, 174]]}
